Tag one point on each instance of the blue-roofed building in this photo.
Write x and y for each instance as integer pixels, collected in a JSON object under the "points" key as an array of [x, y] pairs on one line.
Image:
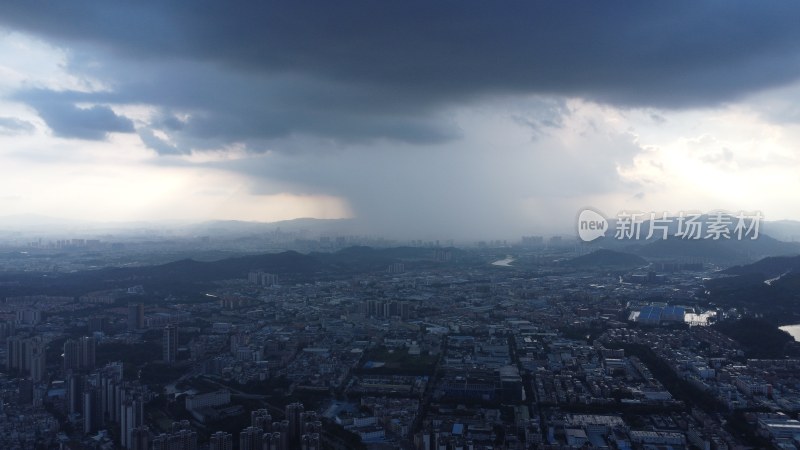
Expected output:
{"points": [[673, 314], [650, 315], [654, 315]]}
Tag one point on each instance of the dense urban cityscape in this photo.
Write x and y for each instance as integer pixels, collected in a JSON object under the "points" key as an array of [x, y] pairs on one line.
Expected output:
{"points": [[540, 343]]}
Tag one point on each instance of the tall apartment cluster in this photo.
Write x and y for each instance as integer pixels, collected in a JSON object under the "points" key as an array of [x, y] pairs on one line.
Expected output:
{"points": [[102, 398], [26, 357], [300, 429]]}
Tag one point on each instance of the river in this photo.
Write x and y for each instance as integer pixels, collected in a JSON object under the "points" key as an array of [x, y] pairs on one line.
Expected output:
{"points": [[794, 330], [504, 262]]}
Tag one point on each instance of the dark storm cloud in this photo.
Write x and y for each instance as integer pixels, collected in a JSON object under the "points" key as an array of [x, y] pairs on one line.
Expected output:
{"points": [[363, 70], [67, 119], [638, 52], [220, 107], [156, 143], [541, 115]]}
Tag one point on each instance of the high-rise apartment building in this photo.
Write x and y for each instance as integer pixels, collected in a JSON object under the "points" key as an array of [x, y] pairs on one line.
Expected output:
{"points": [[170, 343]]}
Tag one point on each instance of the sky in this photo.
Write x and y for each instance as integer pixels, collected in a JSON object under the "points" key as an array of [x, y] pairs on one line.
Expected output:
{"points": [[423, 120]]}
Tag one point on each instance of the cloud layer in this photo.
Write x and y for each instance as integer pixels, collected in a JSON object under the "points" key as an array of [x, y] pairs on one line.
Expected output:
{"points": [[362, 70], [422, 116]]}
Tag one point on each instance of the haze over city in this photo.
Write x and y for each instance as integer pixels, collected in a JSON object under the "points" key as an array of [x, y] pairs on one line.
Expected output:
{"points": [[416, 119]]}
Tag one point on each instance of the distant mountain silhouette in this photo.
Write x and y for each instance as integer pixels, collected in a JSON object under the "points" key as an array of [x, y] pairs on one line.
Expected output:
{"points": [[768, 267], [721, 250], [278, 263], [352, 259], [605, 258], [770, 286], [785, 230], [188, 275], [362, 258]]}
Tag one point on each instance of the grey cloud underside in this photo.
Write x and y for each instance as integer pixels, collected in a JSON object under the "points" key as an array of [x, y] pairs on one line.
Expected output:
{"points": [[422, 55], [12, 125], [226, 107], [156, 143], [68, 120]]}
